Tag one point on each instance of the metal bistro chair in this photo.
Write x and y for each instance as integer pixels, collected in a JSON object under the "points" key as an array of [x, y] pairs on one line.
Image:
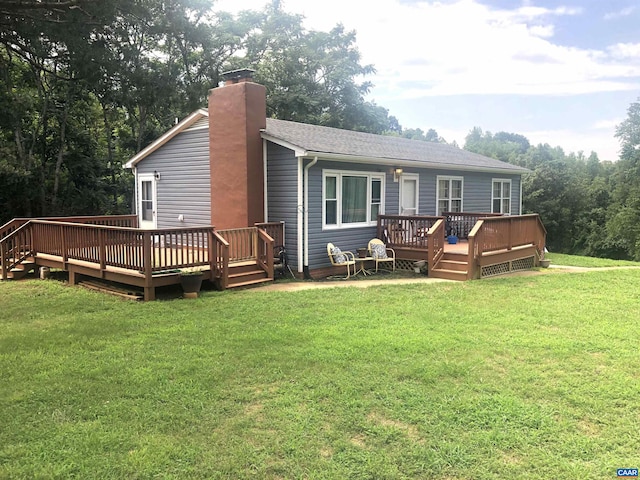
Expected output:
{"points": [[340, 258], [381, 253]]}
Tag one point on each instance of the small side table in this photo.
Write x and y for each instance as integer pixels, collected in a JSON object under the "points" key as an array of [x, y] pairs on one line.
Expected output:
{"points": [[360, 263]]}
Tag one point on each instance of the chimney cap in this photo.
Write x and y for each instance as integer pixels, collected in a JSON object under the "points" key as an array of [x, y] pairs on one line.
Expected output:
{"points": [[236, 75]]}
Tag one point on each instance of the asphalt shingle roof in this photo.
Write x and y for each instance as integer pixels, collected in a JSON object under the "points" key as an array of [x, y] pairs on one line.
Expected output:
{"points": [[315, 138]]}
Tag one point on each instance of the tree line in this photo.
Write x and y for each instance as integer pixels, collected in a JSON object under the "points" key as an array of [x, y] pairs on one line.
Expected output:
{"points": [[85, 84], [589, 207]]}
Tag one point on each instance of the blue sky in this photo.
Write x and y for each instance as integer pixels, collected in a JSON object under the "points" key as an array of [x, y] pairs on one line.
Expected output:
{"points": [[562, 73]]}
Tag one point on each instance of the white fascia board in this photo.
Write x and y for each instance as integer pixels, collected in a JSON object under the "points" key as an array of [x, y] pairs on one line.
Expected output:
{"points": [[298, 151], [179, 127], [410, 163]]}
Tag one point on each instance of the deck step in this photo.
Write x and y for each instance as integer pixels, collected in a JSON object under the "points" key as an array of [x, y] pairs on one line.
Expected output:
{"points": [[248, 283], [455, 256], [111, 288], [247, 277], [21, 270], [456, 265], [448, 274]]}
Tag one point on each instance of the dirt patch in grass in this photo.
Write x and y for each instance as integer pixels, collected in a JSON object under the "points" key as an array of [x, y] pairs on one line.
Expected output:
{"points": [[409, 430]]}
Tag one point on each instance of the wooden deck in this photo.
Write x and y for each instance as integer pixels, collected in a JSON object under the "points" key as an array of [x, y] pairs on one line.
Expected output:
{"points": [[113, 249], [493, 246]]}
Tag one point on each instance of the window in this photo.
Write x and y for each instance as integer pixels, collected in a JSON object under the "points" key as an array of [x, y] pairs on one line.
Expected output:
{"points": [[351, 198], [501, 196], [449, 194]]}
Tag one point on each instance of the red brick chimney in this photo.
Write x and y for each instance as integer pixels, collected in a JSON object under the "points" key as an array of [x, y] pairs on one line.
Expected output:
{"points": [[237, 112]]}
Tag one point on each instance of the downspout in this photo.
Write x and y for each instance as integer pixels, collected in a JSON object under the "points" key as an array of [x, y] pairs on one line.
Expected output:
{"points": [[265, 217], [134, 207], [300, 207], [306, 217], [520, 195]]}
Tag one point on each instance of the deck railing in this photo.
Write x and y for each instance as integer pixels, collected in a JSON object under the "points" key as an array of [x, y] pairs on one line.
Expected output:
{"points": [[243, 243], [435, 241], [144, 251], [265, 252], [275, 230], [408, 231], [506, 233], [219, 248], [124, 247], [460, 224], [14, 248], [110, 220], [250, 244]]}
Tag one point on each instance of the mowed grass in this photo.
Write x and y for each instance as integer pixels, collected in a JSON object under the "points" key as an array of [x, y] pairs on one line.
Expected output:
{"points": [[588, 262], [520, 377]]}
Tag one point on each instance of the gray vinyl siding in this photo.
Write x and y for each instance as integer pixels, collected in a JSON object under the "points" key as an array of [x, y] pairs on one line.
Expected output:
{"points": [[185, 180], [476, 198], [346, 238], [476, 194], [282, 195]]}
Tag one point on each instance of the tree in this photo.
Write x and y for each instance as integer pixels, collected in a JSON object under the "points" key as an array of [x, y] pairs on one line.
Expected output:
{"points": [[310, 75], [623, 225]]}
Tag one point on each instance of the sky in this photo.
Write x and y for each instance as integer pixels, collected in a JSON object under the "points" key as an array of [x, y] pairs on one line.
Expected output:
{"points": [[562, 73]]}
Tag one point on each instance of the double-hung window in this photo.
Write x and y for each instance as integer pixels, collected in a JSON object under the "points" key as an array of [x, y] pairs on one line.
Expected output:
{"points": [[501, 196], [449, 194], [351, 199]]}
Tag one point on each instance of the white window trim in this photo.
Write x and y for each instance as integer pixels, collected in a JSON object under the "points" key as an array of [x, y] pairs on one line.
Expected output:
{"points": [[502, 180], [147, 177], [339, 173], [410, 176], [449, 178]]}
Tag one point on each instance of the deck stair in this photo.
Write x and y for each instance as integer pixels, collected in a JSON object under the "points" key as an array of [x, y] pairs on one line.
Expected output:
{"points": [[452, 266], [242, 274], [21, 269]]}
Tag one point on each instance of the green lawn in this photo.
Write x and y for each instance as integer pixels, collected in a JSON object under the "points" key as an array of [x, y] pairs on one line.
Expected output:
{"points": [[521, 377], [589, 262]]}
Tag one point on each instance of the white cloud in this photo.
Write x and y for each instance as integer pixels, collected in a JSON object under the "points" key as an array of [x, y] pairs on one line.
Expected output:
{"points": [[463, 47], [625, 12], [602, 142], [472, 49], [624, 51], [608, 124]]}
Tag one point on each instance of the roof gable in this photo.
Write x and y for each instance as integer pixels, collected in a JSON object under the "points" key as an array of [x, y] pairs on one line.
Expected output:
{"points": [[178, 128]]}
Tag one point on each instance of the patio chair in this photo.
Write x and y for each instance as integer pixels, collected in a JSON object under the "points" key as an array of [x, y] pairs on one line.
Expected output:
{"points": [[381, 254], [340, 258]]}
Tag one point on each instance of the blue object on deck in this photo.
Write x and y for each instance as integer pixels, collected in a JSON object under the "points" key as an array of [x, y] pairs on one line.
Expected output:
{"points": [[452, 239]]}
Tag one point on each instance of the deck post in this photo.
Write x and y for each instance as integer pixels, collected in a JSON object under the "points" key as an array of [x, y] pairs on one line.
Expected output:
{"points": [[102, 250], [211, 251], [149, 294], [65, 253], [474, 250], [147, 247], [3, 262]]}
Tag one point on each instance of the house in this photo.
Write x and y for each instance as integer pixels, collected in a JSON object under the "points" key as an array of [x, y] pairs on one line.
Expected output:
{"points": [[231, 167]]}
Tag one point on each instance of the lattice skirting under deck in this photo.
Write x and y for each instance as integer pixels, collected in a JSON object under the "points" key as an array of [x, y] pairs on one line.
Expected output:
{"points": [[507, 267], [404, 265]]}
